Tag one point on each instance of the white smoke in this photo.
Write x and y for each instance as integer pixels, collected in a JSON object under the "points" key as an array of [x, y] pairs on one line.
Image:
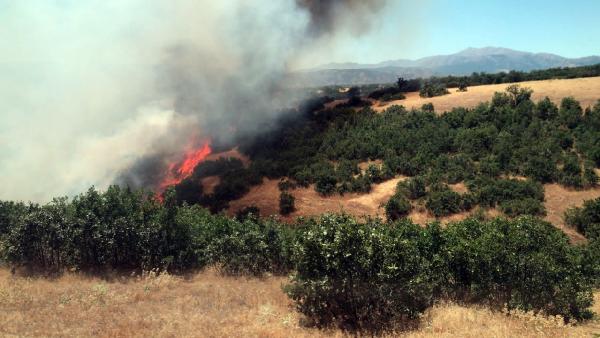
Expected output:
{"points": [[80, 81]]}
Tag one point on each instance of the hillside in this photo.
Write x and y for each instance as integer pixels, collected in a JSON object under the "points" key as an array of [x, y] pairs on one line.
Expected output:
{"points": [[557, 198], [212, 305], [488, 59], [584, 90]]}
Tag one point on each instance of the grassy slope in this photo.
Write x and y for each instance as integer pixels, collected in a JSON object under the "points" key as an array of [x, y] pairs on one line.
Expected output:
{"points": [[585, 90], [558, 199], [210, 305]]}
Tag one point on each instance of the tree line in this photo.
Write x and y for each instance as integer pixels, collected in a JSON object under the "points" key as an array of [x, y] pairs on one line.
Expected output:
{"points": [[358, 275]]}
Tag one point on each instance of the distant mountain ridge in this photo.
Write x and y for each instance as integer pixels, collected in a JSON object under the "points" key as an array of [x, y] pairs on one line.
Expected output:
{"points": [[488, 59]]}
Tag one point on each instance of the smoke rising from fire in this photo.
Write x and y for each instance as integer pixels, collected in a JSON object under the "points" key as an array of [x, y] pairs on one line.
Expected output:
{"points": [[96, 92]]}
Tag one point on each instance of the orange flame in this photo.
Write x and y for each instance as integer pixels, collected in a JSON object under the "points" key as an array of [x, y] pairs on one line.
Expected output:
{"points": [[179, 171]]}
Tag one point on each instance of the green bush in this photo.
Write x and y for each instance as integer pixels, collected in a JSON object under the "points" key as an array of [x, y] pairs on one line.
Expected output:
{"points": [[414, 187], [443, 203], [252, 212], [591, 261], [526, 264], [490, 192], [432, 89], [397, 207], [286, 203], [249, 247], [526, 206], [360, 276], [117, 229], [585, 219]]}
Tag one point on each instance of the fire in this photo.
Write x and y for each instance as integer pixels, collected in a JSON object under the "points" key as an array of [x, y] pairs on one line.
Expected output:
{"points": [[178, 171]]}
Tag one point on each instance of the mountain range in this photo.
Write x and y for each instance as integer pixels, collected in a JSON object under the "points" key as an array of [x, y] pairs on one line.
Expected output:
{"points": [[488, 59]]}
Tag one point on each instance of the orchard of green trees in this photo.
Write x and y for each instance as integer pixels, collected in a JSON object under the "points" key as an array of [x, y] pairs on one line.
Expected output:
{"points": [[503, 151], [358, 275]]}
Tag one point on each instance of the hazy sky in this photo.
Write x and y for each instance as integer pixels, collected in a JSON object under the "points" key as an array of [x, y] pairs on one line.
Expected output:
{"points": [[404, 29], [413, 29]]}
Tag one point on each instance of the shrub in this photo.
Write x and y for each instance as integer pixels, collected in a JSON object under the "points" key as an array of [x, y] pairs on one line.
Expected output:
{"points": [[285, 185], [432, 89], [397, 207], [527, 206], [489, 192], [428, 107], [249, 247], [591, 261], [570, 113], [443, 203], [249, 212], [360, 276], [585, 219], [544, 276], [286, 203], [414, 187], [374, 173]]}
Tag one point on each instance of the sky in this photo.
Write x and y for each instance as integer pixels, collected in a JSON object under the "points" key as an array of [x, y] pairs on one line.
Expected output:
{"points": [[423, 28]]}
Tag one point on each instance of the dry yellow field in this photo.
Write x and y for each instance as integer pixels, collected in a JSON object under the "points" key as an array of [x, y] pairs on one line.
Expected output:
{"points": [[585, 90], [209, 305]]}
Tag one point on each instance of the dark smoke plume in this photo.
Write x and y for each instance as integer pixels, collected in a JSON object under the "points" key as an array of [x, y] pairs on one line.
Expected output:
{"points": [[326, 15], [241, 96]]}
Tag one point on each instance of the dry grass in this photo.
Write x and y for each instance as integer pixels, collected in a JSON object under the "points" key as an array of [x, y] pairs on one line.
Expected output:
{"points": [[559, 199], [310, 203], [586, 90], [210, 305]]}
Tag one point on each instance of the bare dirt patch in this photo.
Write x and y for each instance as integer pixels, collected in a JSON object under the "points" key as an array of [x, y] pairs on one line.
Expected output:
{"points": [[311, 203], [585, 90], [559, 199]]}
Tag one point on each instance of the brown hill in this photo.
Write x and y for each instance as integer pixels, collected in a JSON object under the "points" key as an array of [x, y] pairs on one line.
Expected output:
{"points": [[310, 203], [585, 90]]}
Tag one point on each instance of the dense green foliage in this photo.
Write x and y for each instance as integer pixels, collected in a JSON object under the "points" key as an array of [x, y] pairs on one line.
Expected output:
{"points": [[369, 275], [522, 263], [397, 207], [365, 275], [360, 275], [587, 221], [510, 136], [124, 230]]}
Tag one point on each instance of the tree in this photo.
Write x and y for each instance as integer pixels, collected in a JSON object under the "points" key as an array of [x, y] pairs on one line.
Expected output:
{"points": [[443, 203], [414, 187], [397, 207], [518, 94], [570, 113], [286, 203], [463, 85]]}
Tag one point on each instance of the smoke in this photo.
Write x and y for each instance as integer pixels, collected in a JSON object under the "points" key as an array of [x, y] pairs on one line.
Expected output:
{"points": [[327, 16], [96, 92]]}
